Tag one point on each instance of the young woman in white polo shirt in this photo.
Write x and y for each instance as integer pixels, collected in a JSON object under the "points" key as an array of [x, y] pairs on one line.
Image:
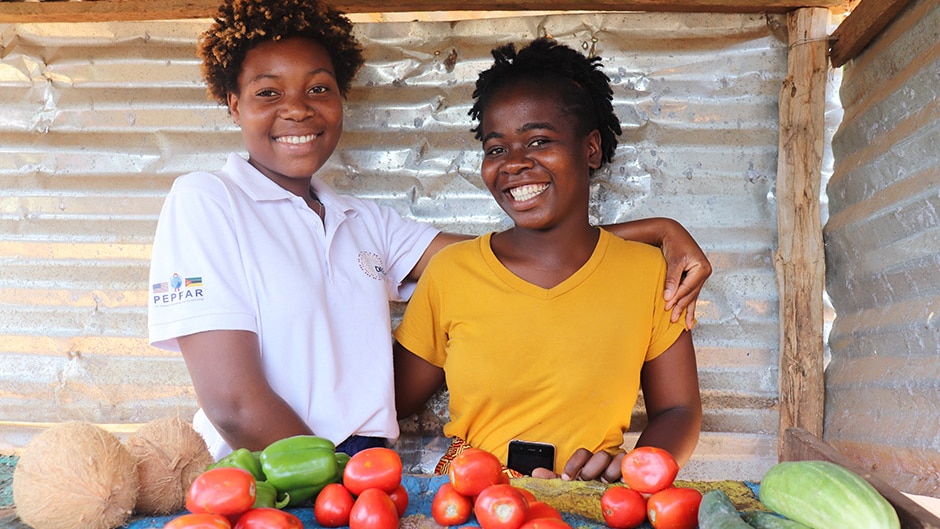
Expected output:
{"points": [[274, 287]]}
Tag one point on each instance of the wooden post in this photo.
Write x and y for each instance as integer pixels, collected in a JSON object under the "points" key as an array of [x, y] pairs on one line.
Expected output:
{"points": [[800, 259]]}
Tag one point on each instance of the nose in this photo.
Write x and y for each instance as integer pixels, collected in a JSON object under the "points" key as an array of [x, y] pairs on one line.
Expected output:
{"points": [[516, 161], [295, 107]]}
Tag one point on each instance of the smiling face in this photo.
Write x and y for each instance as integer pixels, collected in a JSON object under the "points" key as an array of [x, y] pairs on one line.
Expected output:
{"points": [[290, 110], [536, 161]]}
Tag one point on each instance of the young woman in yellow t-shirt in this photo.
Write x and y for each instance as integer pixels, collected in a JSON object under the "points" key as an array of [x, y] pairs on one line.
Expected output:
{"points": [[546, 331]]}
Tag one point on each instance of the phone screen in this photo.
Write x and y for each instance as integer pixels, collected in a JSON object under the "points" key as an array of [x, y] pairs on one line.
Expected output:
{"points": [[526, 456]]}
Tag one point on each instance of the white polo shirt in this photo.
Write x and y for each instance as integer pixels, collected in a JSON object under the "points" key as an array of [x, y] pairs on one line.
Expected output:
{"points": [[233, 250]]}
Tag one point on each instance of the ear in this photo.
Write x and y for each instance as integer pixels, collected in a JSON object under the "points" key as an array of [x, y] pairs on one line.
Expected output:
{"points": [[232, 99], [594, 152]]}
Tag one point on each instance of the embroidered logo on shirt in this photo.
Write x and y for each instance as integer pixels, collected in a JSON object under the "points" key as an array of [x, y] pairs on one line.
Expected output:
{"points": [[372, 265], [178, 289]]}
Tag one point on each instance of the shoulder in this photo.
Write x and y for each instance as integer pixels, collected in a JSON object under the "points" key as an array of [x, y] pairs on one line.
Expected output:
{"points": [[463, 254], [637, 250]]}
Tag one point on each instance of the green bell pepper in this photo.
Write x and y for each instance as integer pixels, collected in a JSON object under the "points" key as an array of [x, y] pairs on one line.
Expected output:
{"points": [[267, 496], [300, 466], [243, 459]]}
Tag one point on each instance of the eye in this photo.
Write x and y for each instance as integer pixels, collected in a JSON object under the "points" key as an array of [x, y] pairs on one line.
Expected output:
{"points": [[538, 142], [319, 89], [493, 151], [266, 92]]}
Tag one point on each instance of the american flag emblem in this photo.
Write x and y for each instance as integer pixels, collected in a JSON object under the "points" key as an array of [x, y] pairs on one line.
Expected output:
{"points": [[161, 288]]}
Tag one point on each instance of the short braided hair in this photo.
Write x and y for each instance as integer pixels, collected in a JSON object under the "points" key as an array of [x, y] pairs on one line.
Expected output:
{"points": [[240, 25], [584, 89]]}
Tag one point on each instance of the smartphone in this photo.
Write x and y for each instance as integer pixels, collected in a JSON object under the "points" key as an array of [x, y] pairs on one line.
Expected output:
{"points": [[526, 456]]}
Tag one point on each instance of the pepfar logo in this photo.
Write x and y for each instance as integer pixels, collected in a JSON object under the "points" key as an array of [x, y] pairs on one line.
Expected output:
{"points": [[178, 289]]}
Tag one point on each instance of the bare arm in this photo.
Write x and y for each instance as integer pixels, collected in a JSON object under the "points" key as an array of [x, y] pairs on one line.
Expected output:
{"points": [[673, 403], [225, 367], [416, 380], [687, 267], [441, 240]]}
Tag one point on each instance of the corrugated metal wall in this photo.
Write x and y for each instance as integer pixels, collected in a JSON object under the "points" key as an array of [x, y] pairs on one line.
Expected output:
{"points": [[97, 119], [883, 256]]}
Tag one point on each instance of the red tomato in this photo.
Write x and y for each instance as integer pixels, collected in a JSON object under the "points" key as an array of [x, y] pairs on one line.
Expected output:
{"points": [[225, 490], [527, 494], [199, 521], [400, 497], [647, 469], [623, 508], [378, 468], [500, 507], [450, 507], [373, 510], [473, 470], [268, 518], [540, 509], [674, 508], [545, 523], [332, 506]]}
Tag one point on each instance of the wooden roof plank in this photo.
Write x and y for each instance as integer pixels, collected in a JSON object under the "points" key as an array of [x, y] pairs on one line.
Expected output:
{"points": [[130, 10], [858, 29]]}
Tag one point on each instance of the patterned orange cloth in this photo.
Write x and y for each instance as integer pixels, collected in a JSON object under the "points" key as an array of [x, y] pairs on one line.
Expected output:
{"points": [[457, 446]]}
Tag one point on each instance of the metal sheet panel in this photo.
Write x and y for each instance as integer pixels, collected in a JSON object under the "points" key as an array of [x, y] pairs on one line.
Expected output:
{"points": [[97, 119], [883, 257]]}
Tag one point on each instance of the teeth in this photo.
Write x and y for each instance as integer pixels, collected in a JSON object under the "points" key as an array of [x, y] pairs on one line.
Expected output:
{"points": [[296, 140], [527, 191]]}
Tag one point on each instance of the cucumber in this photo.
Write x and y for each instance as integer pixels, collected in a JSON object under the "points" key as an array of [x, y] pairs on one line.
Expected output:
{"points": [[717, 512], [769, 520], [823, 495]]}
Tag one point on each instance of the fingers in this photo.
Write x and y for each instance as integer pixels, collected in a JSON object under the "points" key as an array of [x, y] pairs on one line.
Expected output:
{"points": [[575, 463], [596, 467], [543, 473]]}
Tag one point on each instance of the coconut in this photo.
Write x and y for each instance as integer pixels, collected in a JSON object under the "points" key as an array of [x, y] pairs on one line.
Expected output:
{"points": [[75, 475], [170, 454]]}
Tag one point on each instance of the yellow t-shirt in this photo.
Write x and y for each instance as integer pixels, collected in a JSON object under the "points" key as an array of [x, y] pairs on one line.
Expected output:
{"points": [[559, 365]]}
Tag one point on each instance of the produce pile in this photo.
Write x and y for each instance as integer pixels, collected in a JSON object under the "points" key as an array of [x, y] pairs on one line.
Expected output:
{"points": [[76, 475]]}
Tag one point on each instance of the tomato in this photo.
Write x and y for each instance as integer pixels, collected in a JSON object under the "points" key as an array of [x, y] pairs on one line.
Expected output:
{"points": [[500, 507], [450, 507], [647, 469], [399, 496], [473, 470], [623, 507], [378, 468], [373, 509], [527, 494], [268, 518], [545, 523], [332, 506], [540, 509], [199, 521], [227, 491], [674, 508]]}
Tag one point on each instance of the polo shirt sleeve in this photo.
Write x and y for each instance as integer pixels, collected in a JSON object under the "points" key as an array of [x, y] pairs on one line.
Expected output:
{"points": [[406, 241], [197, 280]]}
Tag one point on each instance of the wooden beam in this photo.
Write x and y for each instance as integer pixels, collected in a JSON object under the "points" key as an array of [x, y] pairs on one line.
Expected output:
{"points": [[864, 22], [799, 260], [129, 10]]}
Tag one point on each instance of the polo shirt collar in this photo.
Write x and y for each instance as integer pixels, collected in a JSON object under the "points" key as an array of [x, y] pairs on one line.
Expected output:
{"points": [[261, 188]]}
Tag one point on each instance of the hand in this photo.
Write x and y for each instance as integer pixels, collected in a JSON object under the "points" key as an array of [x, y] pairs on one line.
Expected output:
{"points": [[687, 268], [586, 466]]}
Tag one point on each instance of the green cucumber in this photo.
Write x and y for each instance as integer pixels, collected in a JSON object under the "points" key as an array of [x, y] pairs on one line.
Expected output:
{"points": [[823, 495], [717, 512], [769, 520]]}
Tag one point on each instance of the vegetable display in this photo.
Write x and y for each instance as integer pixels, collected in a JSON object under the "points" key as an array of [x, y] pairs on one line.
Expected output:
{"points": [[822, 495]]}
